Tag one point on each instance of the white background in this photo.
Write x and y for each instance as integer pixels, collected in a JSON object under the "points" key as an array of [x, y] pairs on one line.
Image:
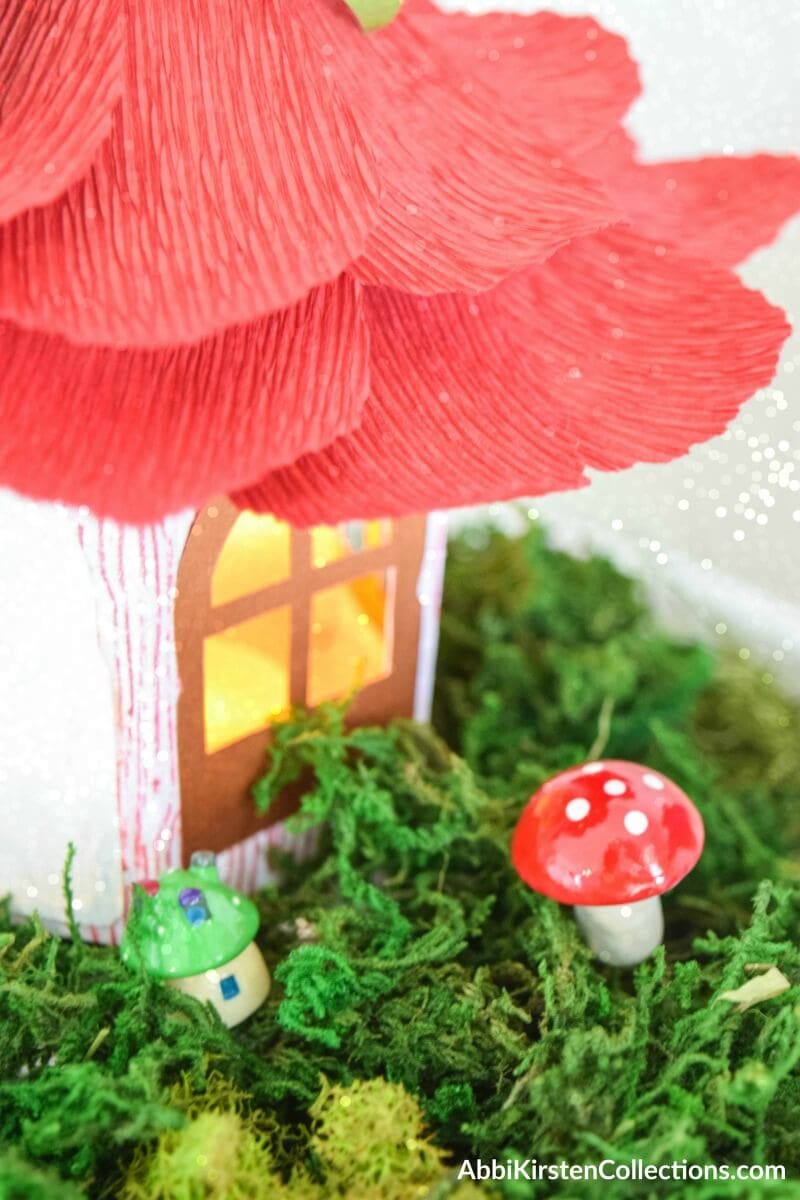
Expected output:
{"points": [[719, 540]]}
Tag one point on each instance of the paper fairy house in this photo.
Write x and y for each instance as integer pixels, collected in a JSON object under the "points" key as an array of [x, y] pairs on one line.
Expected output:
{"points": [[142, 670]]}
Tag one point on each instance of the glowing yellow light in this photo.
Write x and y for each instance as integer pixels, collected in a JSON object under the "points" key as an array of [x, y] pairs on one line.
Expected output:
{"points": [[377, 533], [246, 672], [256, 555], [353, 645], [247, 666], [329, 543]]}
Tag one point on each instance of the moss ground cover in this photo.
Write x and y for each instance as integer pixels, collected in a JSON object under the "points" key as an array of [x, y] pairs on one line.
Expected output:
{"points": [[427, 1006]]}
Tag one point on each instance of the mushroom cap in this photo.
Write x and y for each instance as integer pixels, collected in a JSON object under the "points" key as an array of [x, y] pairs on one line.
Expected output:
{"points": [[159, 936], [608, 832]]}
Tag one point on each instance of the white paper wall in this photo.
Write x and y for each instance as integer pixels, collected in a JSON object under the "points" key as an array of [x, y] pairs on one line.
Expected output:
{"points": [[57, 769]]}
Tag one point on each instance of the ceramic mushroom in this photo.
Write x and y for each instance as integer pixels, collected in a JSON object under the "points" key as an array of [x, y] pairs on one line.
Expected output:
{"points": [[609, 838], [196, 934]]}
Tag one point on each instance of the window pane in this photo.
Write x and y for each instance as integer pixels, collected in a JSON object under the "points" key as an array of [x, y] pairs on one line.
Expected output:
{"points": [[331, 542], [246, 677], [351, 635], [256, 554]]}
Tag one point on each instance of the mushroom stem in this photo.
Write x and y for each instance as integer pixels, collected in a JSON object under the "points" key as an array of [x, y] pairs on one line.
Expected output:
{"points": [[622, 934]]}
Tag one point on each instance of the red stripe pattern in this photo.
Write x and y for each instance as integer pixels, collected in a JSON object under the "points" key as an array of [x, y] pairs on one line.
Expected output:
{"points": [[135, 572]]}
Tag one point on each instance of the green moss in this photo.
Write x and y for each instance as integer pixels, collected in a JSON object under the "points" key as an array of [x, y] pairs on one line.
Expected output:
{"points": [[419, 979], [546, 659], [370, 1140], [21, 1180], [213, 1157]]}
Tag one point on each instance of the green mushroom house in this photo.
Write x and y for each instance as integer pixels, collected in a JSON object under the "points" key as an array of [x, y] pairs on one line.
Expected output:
{"points": [[195, 933]]}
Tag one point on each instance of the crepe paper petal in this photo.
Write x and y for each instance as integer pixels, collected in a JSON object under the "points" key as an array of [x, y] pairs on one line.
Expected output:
{"points": [[611, 353], [570, 78], [471, 191], [135, 434], [374, 14], [233, 181], [60, 77], [719, 208]]}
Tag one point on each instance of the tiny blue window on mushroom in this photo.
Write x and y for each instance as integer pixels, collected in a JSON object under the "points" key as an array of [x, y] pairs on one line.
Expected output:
{"points": [[194, 906], [229, 987]]}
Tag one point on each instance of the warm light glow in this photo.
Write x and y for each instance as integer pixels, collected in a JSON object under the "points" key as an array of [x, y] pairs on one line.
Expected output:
{"points": [[248, 666], [332, 542], [351, 643], [256, 554], [246, 677]]}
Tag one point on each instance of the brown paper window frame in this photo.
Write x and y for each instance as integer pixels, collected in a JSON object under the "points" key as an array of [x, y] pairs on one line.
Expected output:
{"points": [[217, 809]]}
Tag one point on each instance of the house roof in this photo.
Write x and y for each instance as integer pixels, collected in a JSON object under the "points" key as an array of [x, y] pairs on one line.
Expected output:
{"points": [[187, 922]]}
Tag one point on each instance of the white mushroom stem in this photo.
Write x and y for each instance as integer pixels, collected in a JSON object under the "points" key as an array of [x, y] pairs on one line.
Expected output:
{"points": [[622, 934]]}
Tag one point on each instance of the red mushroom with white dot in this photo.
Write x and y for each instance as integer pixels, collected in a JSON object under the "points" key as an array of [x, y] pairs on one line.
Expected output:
{"points": [[609, 838]]}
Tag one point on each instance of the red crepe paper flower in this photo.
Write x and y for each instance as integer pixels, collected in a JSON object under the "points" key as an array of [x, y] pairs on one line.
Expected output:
{"points": [[247, 247]]}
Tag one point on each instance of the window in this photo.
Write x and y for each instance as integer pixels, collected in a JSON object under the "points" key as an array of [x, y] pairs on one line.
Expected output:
{"points": [[229, 987], [266, 617]]}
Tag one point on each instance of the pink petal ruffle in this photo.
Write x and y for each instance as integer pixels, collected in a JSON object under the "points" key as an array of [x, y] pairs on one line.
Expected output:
{"points": [[610, 353], [234, 180], [137, 433], [721, 208], [472, 189], [60, 77]]}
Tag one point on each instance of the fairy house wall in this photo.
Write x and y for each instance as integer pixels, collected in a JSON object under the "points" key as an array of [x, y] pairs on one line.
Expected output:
{"points": [[167, 652]]}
